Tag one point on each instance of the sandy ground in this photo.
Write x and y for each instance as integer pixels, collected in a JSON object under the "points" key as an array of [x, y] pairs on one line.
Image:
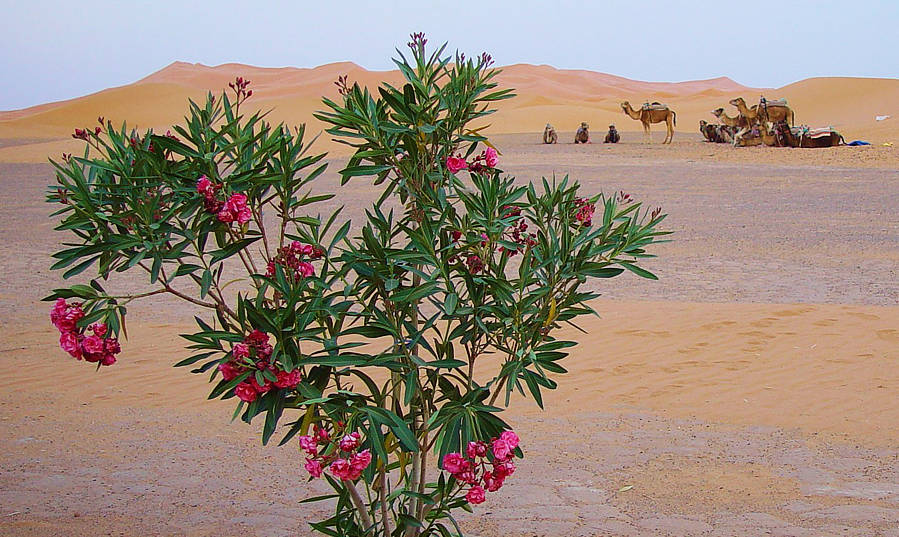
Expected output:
{"points": [[751, 391]]}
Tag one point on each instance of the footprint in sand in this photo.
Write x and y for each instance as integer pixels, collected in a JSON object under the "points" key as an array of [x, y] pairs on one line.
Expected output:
{"points": [[764, 323], [865, 316], [825, 322], [793, 312], [889, 335], [718, 325], [644, 333]]}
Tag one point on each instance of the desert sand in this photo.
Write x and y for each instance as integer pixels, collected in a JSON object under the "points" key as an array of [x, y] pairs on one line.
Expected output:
{"points": [[545, 95], [752, 390]]}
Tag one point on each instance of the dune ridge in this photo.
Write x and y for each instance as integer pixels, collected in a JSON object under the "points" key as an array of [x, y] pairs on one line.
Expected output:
{"points": [[563, 97]]}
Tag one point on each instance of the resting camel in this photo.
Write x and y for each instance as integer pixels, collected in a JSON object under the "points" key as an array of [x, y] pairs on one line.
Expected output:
{"points": [[654, 115], [804, 137], [738, 122], [749, 137], [765, 111], [549, 135], [712, 132]]}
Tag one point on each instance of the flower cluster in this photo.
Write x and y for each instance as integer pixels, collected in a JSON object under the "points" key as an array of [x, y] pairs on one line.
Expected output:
{"points": [[517, 232], [234, 209], [344, 461], [254, 355], [92, 348], [85, 134], [488, 159], [473, 262], [291, 258], [472, 467], [585, 210], [240, 88]]}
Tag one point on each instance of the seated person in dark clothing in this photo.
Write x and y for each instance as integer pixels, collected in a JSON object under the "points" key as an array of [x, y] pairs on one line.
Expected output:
{"points": [[612, 136], [582, 136]]}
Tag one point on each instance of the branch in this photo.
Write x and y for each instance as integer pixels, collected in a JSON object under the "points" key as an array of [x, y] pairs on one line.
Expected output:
{"points": [[360, 506]]}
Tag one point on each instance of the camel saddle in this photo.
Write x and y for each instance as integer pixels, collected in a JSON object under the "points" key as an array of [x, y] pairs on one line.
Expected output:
{"points": [[775, 102], [654, 106], [812, 133]]}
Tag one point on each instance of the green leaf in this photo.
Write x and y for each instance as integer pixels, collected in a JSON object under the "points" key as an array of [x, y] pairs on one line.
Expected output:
{"points": [[449, 305]]}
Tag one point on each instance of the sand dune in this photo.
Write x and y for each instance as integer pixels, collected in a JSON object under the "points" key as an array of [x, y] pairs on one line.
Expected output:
{"points": [[545, 94]]}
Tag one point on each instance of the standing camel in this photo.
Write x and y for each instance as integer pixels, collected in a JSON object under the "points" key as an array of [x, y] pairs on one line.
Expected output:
{"points": [[766, 111], [655, 114]]}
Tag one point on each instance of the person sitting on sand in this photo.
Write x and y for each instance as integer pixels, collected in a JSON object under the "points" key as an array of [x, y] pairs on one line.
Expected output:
{"points": [[582, 136], [549, 134], [612, 137]]}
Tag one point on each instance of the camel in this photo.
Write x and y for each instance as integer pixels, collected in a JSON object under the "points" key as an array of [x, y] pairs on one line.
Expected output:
{"points": [[738, 122], [647, 116], [582, 136], [549, 135], [712, 132], [805, 137], [708, 130], [747, 137], [725, 134], [763, 135], [765, 111]]}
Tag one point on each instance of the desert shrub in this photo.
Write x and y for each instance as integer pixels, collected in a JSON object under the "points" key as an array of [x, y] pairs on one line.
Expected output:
{"points": [[387, 351]]}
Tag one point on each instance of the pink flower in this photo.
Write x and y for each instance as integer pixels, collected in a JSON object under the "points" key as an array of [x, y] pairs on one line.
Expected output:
{"points": [[107, 359], [455, 164], [309, 445], [475, 264], [65, 316], [510, 438], [93, 344], [69, 343], [341, 469], [230, 370], [245, 392], [467, 476], [313, 467], [492, 482], [350, 441], [288, 380], [502, 470], [256, 338], [302, 249], [456, 235], [322, 435], [475, 495], [360, 461], [111, 345], [305, 269], [204, 185], [454, 463], [256, 386], [235, 210], [501, 449], [99, 329], [491, 159], [476, 449], [240, 350]]}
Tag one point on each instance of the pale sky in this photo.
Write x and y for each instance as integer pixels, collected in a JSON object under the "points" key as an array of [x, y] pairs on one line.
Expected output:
{"points": [[52, 50]]}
